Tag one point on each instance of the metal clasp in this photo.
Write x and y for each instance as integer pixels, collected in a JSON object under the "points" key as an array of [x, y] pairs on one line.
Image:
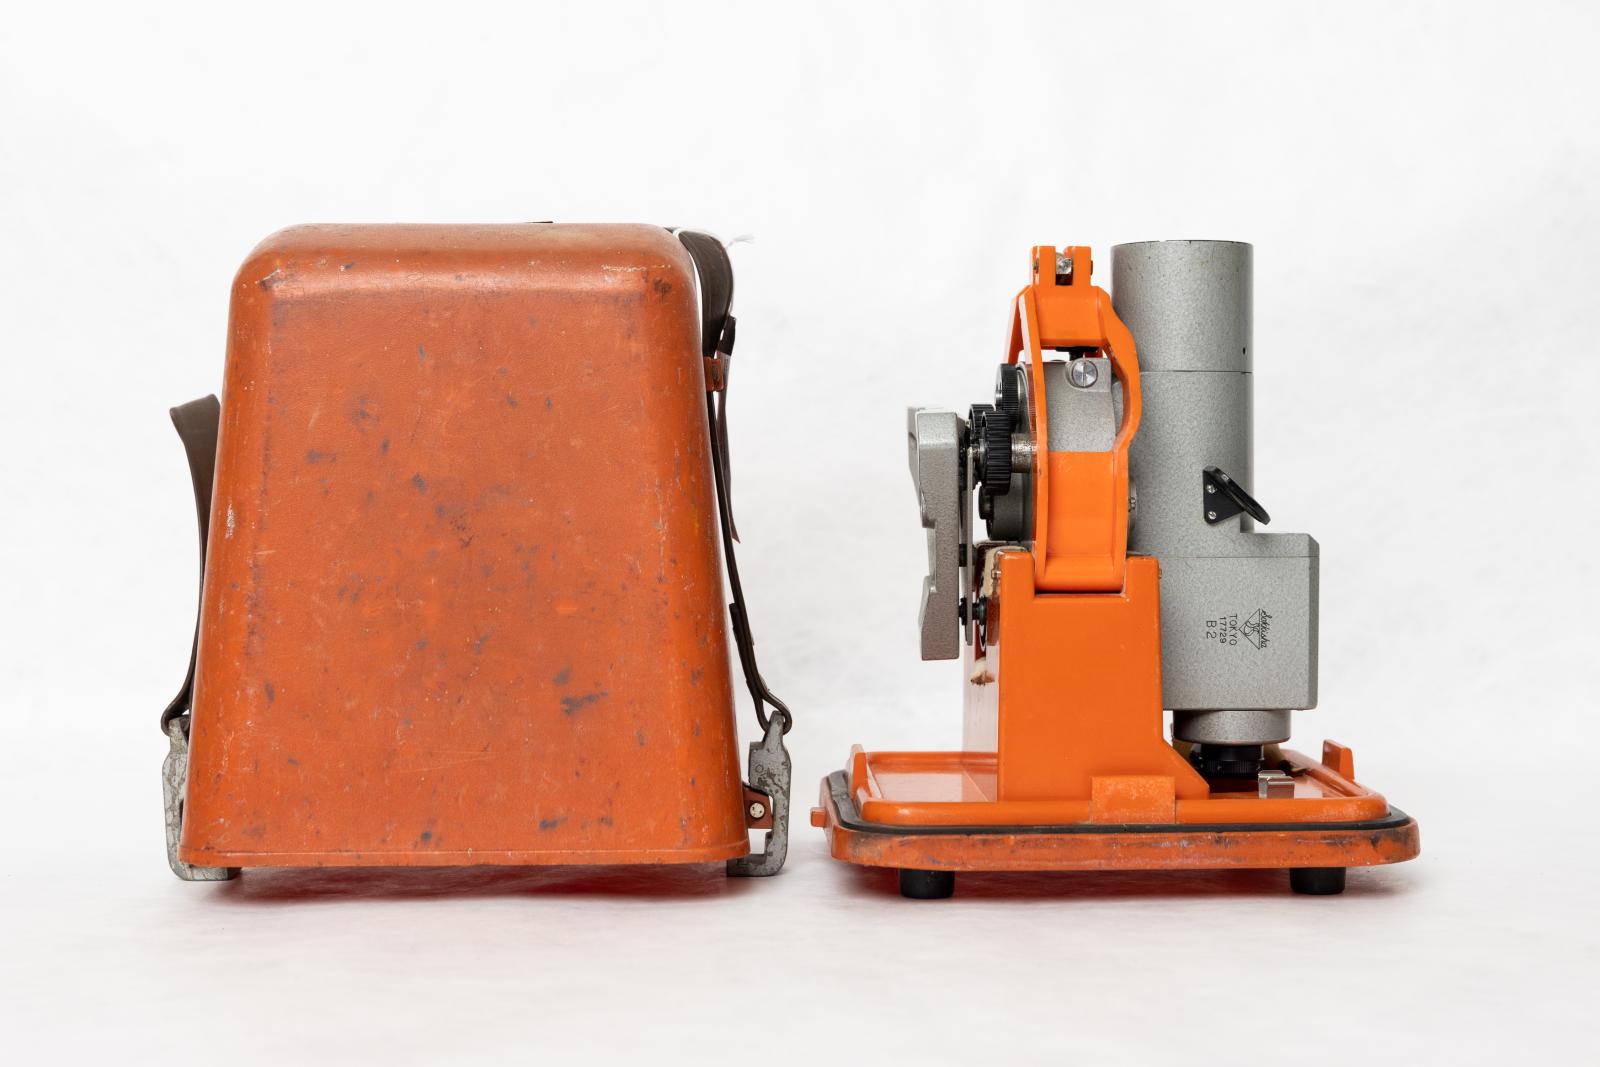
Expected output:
{"points": [[771, 774]]}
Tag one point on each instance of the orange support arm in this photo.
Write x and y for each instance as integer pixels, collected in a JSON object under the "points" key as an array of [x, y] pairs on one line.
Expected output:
{"points": [[1080, 512]]}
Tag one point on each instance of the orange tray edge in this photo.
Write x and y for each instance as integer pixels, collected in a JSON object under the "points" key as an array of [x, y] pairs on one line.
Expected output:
{"points": [[1088, 847]]}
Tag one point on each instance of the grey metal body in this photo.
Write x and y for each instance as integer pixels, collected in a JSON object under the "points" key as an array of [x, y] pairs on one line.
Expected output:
{"points": [[934, 447], [1083, 418], [1238, 607]]}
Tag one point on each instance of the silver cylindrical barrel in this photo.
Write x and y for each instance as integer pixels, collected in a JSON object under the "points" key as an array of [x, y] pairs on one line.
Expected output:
{"points": [[1227, 674], [1187, 304]]}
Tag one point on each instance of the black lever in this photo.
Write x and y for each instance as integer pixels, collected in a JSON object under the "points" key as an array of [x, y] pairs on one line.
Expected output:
{"points": [[1222, 498]]}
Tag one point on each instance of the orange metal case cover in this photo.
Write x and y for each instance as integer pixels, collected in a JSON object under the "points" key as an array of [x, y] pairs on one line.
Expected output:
{"points": [[463, 601]]}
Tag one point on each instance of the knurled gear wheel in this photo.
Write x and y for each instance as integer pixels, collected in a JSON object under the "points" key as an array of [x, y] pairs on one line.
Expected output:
{"points": [[993, 428], [1008, 391]]}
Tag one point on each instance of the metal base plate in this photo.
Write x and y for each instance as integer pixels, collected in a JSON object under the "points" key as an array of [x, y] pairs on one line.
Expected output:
{"points": [[1107, 847]]}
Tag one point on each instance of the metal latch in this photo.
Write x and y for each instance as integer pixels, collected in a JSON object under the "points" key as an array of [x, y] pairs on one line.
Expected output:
{"points": [[770, 773]]}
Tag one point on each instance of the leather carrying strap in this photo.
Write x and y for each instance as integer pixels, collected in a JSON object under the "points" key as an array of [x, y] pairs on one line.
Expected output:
{"points": [[711, 262], [717, 333], [196, 423], [716, 346]]}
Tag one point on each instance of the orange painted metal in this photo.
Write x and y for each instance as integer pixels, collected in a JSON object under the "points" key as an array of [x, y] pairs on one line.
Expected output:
{"points": [[1063, 710], [959, 789], [463, 602], [1056, 847], [1080, 520], [1077, 679]]}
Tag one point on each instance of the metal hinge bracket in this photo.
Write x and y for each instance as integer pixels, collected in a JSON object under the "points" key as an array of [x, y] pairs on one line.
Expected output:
{"points": [[175, 781]]}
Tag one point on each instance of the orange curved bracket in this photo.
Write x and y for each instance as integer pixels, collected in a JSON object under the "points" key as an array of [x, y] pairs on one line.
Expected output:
{"points": [[1080, 514]]}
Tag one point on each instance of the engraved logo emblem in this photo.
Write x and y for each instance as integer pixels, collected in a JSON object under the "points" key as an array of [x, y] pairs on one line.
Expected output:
{"points": [[1257, 627]]}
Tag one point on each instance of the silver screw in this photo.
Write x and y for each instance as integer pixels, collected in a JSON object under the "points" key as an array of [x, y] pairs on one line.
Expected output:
{"points": [[1210, 488], [1063, 265], [1212, 515], [758, 810], [1083, 373]]}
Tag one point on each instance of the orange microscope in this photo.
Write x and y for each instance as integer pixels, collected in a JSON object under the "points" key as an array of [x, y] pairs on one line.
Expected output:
{"points": [[1122, 577]]}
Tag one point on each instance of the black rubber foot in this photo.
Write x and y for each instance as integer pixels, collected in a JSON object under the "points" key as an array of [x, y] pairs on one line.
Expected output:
{"points": [[1317, 881], [927, 885]]}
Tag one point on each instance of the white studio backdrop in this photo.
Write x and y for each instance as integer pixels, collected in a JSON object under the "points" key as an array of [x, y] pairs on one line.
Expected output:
{"points": [[1419, 182]]}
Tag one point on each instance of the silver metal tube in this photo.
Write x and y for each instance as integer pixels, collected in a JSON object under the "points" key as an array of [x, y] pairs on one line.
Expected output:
{"points": [[1187, 304], [1232, 726], [1238, 608]]}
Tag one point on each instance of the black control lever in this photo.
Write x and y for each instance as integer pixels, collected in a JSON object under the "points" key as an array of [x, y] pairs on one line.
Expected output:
{"points": [[1222, 498]]}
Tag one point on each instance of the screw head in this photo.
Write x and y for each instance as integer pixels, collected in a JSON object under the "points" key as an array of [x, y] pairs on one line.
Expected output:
{"points": [[758, 810], [1212, 515], [1210, 488], [1083, 373]]}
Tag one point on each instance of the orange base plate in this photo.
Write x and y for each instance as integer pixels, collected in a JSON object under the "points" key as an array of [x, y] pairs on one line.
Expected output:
{"points": [[932, 811]]}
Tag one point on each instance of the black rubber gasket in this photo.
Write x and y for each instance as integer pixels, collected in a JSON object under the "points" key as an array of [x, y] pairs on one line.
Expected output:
{"points": [[850, 819]]}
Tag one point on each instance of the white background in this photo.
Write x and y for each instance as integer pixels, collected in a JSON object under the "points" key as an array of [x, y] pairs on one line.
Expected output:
{"points": [[1419, 182]]}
